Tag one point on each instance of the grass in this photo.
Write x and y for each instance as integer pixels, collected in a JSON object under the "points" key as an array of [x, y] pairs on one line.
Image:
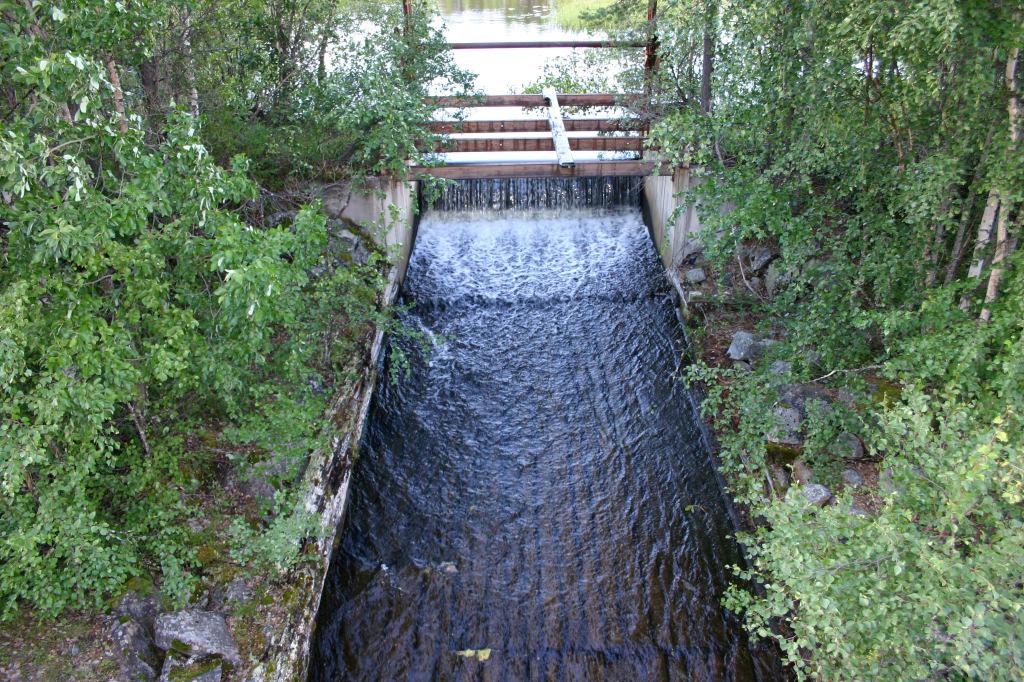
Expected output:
{"points": [[569, 14]]}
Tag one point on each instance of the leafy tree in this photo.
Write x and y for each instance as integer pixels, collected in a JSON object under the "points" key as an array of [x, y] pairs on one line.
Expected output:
{"points": [[875, 144], [141, 298]]}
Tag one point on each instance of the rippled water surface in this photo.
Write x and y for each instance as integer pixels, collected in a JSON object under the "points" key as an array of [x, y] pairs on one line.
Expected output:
{"points": [[537, 486]]}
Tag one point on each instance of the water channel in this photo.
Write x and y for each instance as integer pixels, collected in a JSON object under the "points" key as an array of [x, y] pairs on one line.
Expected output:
{"points": [[534, 499]]}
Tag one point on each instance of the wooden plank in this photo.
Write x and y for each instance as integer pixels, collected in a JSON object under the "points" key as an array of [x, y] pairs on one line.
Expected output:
{"points": [[593, 100], [558, 135], [512, 45], [543, 170], [538, 144], [534, 125]]}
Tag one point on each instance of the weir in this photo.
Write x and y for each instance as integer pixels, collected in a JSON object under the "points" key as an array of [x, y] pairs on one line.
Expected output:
{"points": [[534, 498]]}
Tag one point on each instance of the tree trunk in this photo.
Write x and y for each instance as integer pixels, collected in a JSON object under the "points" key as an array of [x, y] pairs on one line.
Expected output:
{"points": [[115, 83], [959, 242], [988, 220], [1003, 231], [933, 250], [149, 77], [1002, 251], [190, 66], [708, 61]]}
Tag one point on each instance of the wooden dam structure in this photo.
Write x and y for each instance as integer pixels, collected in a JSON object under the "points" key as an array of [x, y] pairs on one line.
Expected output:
{"points": [[625, 134]]}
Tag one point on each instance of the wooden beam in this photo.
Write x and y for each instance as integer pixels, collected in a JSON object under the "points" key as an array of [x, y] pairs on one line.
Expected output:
{"points": [[543, 170], [538, 144], [534, 125], [595, 100], [558, 135], [511, 45]]}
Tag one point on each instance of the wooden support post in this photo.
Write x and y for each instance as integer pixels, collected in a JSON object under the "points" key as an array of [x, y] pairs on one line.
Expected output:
{"points": [[558, 134]]}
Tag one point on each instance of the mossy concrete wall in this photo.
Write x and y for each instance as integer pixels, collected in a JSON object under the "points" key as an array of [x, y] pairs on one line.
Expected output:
{"points": [[387, 208]]}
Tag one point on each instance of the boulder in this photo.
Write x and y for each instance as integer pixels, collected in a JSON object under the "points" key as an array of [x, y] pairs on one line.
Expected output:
{"points": [[235, 592], [852, 478], [135, 607], [847, 446], [180, 668], [197, 633], [776, 278], [801, 472], [786, 431], [887, 482], [133, 649], [758, 257], [816, 494], [780, 477], [747, 347], [781, 367], [742, 366], [801, 396], [857, 510], [695, 276]]}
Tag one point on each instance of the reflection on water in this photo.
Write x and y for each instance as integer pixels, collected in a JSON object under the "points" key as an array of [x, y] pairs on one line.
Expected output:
{"points": [[522, 12]]}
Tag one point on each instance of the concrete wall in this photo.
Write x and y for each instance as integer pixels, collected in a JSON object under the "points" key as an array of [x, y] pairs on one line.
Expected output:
{"points": [[388, 211], [384, 206], [673, 231]]}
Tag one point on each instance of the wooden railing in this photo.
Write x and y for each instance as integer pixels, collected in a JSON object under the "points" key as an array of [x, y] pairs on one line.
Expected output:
{"points": [[555, 125]]}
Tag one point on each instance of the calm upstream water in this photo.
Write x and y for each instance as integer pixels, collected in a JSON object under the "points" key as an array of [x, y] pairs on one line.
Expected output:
{"points": [[508, 71], [534, 499]]}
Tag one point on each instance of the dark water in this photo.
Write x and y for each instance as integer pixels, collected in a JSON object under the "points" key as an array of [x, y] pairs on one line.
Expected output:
{"points": [[538, 486]]}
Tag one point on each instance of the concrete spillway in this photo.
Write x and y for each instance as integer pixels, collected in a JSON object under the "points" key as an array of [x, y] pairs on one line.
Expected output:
{"points": [[533, 499]]}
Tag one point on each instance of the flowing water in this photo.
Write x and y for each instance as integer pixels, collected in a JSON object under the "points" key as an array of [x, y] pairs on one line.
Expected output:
{"points": [[534, 500]]}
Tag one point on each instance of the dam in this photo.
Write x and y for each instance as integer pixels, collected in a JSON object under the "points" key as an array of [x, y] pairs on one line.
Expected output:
{"points": [[534, 496]]}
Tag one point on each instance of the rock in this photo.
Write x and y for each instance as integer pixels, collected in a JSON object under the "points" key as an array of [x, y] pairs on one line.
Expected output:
{"points": [[857, 510], [235, 592], [747, 347], [816, 494], [775, 278], [197, 633], [448, 567], [847, 446], [786, 431], [347, 243], [852, 478], [742, 366], [758, 257], [179, 668], [755, 283], [133, 648], [780, 478], [743, 346], [260, 481], [801, 472], [781, 367], [695, 276], [802, 396], [887, 482], [135, 607]]}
